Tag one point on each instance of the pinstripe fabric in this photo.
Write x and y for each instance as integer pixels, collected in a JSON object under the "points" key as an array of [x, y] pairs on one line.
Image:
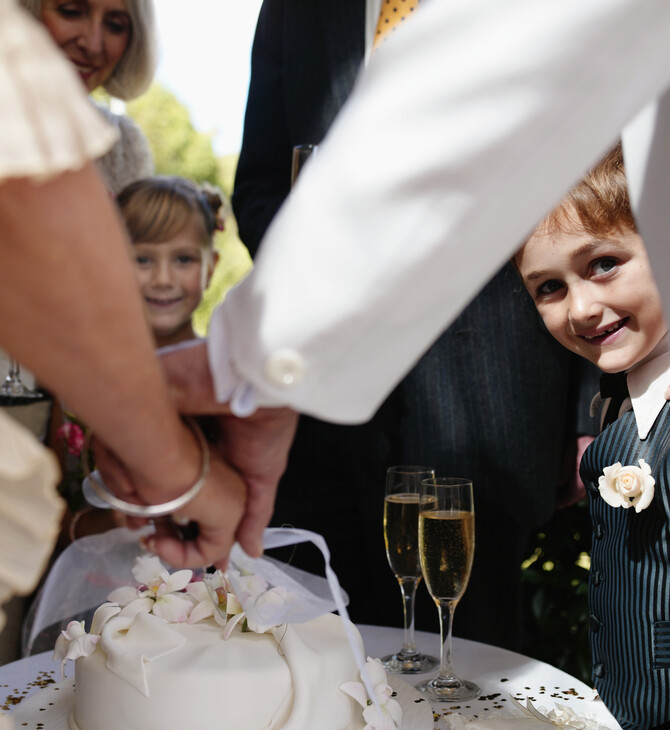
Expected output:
{"points": [[629, 587]]}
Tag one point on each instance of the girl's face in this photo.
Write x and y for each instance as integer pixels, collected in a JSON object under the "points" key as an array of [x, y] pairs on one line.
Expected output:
{"points": [[597, 296], [93, 34], [172, 276]]}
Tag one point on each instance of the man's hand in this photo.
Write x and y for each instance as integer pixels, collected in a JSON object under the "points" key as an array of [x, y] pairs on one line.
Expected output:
{"points": [[256, 446]]}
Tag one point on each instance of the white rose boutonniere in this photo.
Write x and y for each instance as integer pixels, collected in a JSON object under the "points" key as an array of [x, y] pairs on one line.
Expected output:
{"points": [[627, 486]]}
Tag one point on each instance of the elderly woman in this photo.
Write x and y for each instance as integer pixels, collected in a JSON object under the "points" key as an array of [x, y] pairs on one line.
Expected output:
{"points": [[111, 44]]}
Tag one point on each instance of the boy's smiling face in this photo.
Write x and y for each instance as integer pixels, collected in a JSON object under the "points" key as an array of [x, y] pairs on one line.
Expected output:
{"points": [[597, 296]]}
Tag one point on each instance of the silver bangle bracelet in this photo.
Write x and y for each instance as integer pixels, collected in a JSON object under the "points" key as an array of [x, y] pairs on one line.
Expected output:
{"points": [[166, 508]]}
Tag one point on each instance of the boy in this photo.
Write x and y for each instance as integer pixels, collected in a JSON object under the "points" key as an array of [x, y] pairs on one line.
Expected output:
{"points": [[588, 273]]}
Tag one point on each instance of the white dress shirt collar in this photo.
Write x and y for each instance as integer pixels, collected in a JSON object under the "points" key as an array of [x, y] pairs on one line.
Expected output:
{"points": [[372, 10], [647, 383]]}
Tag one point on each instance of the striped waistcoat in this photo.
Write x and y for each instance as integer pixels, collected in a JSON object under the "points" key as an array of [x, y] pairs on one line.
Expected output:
{"points": [[629, 582]]}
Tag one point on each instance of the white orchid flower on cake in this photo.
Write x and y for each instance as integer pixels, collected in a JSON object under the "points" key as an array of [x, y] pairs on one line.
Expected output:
{"points": [[161, 592], [388, 715], [252, 601], [213, 596], [74, 642], [627, 486]]}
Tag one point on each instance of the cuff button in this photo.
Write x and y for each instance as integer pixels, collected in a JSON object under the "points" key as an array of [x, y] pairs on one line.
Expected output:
{"points": [[285, 368]]}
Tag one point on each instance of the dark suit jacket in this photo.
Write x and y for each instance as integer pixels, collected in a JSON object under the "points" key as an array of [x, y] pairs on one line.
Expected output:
{"points": [[492, 400], [629, 581], [305, 60]]}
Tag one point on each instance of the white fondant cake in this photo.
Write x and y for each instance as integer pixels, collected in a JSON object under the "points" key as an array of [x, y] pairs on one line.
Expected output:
{"points": [[174, 653], [289, 680]]}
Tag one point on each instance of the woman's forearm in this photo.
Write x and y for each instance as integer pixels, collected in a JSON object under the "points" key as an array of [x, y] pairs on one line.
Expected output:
{"points": [[74, 317]]}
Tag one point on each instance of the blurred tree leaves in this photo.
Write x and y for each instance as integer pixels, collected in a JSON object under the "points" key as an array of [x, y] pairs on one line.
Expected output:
{"points": [[179, 149]]}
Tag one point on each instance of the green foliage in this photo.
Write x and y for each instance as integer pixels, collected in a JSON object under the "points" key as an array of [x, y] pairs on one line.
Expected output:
{"points": [[234, 263], [177, 147], [555, 580]]}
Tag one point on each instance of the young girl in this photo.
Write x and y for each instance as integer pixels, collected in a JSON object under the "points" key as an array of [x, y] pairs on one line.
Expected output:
{"points": [[171, 223], [587, 270]]}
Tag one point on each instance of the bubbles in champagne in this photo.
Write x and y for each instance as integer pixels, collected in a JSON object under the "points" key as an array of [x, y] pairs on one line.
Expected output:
{"points": [[401, 527], [446, 549]]}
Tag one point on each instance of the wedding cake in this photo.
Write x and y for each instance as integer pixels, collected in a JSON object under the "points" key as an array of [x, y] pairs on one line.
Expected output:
{"points": [[175, 653]]}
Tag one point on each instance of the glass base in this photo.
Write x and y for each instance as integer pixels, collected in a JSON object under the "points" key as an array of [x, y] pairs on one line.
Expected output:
{"points": [[404, 663], [449, 689]]}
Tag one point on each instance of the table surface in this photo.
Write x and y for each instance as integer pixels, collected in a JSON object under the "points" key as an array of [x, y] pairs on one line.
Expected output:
{"points": [[501, 674]]}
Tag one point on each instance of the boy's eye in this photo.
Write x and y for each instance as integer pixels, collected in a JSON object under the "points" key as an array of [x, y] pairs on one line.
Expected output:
{"points": [[549, 287], [604, 265], [142, 260]]}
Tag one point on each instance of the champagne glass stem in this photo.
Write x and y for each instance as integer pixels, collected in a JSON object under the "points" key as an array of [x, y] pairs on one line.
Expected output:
{"points": [[408, 590], [446, 672], [14, 371]]}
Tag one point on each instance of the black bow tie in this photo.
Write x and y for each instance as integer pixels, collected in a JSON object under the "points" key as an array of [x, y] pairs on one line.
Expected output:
{"points": [[613, 385]]}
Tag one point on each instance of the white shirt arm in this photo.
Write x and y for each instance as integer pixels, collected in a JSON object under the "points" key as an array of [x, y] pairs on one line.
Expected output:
{"points": [[465, 130]]}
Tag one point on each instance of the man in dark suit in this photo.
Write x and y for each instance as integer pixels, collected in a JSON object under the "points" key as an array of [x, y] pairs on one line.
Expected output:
{"points": [[492, 400]]}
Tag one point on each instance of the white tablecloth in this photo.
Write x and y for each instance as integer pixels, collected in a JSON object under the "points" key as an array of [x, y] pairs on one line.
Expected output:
{"points": [[499, 673]]}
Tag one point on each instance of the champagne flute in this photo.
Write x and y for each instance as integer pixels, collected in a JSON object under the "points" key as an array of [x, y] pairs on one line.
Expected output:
{"points": [[301, 153], [446, 549], [401, 526]]}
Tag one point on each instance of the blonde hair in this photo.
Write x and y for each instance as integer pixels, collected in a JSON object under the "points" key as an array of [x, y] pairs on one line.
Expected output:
{"points": [[157, 208], [135, 70]]}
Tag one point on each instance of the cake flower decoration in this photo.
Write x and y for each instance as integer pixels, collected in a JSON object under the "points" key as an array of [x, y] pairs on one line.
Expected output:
{"points": [[388, 715], [627, 486], [161, 592], [245, 598], [74, 642]]}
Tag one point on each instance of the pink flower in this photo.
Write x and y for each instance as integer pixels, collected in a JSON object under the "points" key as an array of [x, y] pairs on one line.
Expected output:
{"points": [[74, 437]]}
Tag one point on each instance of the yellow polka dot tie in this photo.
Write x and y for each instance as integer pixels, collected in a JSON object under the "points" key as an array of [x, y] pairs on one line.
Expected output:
{"points": [[392, 13]]}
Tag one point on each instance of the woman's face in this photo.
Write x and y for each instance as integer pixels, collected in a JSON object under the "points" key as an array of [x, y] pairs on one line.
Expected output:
{"points": [[93, 34]]}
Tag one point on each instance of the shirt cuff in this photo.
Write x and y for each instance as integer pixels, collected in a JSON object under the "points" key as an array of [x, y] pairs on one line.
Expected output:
{"points": [[228, 385]]}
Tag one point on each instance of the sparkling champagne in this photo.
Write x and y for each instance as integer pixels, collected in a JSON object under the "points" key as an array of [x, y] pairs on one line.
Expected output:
{"points": [[401, 528], [446, 548]]}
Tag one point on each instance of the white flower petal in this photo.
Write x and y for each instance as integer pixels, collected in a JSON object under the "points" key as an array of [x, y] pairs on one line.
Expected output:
{"points": [[102, 615], [376, 671], [357, 691], [395, 710], [202, 610], [123, 596], [147, 569], [173, 608], [232, 604], [377, 718], [139, 605], [178, 581], [198, 591], [645, 498], [613, 498], [231, 624]]}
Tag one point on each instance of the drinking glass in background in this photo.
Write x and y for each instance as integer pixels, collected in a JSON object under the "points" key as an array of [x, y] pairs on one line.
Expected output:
{"points": [[13, 386], [401, 527], [446, 550], [301, 153]]}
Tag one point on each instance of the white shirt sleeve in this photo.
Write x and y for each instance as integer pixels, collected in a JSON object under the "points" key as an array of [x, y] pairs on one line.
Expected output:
{"points": [[464, 131]]}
